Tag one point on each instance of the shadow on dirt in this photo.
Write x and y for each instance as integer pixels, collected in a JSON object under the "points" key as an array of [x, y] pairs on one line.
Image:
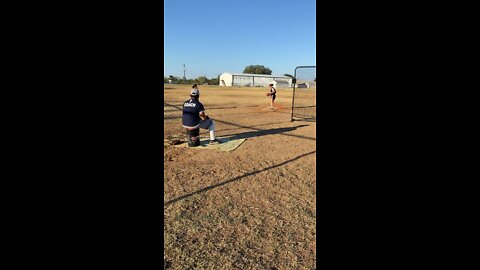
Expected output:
{"points": [[171, 117], [266, 124], [247, 127], [179, 107], [269, 130], [235, 179], [264, 132]]}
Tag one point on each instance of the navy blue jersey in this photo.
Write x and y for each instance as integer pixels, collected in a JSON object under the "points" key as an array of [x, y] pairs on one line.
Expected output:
{"points": [[273, 91], [191, 110]]}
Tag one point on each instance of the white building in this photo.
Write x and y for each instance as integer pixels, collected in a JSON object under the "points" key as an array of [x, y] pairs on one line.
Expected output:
{"points": [[282, 84], [305, 84], [244, 79]]}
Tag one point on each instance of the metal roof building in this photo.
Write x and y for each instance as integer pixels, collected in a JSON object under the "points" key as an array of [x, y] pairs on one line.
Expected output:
{"points": [[254, 80]]}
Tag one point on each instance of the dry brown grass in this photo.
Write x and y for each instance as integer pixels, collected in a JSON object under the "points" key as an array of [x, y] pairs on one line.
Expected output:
{"points": [[252, 208]]}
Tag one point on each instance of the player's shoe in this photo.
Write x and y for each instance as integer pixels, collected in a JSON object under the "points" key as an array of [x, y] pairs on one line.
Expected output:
{"points": [[214, 141]]}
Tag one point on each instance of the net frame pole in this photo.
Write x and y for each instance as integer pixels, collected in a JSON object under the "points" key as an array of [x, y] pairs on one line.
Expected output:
{"points": [[294, 83], [293, 94]]}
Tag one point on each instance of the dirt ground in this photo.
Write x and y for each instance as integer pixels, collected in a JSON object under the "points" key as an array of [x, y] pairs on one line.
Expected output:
{"points": [[251, 208]]}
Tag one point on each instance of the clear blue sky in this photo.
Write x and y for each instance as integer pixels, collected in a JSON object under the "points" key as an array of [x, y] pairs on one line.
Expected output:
{"points": [[212, 36]]}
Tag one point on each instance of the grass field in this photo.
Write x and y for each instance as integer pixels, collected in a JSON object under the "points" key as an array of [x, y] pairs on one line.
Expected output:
{"points": [[251, 208]]}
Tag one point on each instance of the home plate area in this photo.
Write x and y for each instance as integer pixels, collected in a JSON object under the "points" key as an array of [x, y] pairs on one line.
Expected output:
{"points": [[227, 144]]}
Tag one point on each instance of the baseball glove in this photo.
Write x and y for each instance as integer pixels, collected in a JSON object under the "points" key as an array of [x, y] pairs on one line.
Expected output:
{"points": [[267, 94]]}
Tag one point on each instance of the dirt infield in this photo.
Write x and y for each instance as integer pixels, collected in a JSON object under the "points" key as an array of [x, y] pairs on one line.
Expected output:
{"points": [[251, 208]]}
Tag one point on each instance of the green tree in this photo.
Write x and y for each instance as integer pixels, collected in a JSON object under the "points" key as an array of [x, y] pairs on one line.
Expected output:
{"points": [[257, 69], [176, 80], [213, 81], [202, 80], [172, 78]]}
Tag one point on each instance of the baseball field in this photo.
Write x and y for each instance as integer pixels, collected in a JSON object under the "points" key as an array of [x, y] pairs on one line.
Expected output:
{"points": [[250, 208]]}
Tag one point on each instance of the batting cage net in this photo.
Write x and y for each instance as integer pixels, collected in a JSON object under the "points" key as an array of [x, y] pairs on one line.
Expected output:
{"points": [[304, 101]]}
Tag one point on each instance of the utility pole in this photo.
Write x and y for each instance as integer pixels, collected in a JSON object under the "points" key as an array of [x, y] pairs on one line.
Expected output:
{"points": [[184, 78]]}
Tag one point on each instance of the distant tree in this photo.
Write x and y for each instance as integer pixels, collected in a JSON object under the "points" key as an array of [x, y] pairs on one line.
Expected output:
{"points": [[176, 80], [202, 79], [257, 69], [171, 78], [315, 80], [213, 81]]}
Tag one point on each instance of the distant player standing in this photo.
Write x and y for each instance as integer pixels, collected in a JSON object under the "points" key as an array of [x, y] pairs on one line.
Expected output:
{"points": [[194, 116], [272, 95]]}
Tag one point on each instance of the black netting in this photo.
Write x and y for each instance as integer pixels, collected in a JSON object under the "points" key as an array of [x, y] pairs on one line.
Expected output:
{"points": [[304, 104]]}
